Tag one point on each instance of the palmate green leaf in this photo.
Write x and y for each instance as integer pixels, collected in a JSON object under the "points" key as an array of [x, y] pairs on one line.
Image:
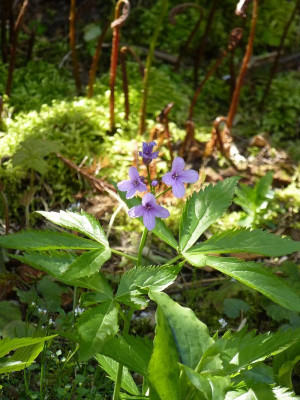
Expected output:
{"points": [[253, 275], [95, 326], [246, 241], [204, 208], [239, 350], [133, 351], [191, 335], [57, 264], [164, 370], [82, 222], [212, 387], [111, 367], [155, 278], [31, 153], [87, 264], [46, 240], [160, 230]]}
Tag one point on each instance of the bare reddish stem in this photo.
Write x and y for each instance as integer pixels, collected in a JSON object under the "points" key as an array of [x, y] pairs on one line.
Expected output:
{"points": [[95, 62], [72, 37], [117, 23], [13, 51], [240, 80]]}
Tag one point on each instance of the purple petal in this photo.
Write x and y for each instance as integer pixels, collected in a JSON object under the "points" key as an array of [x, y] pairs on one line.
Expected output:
{"points": [[136, 211], [178, 165], [189, 176], [124, 186], [154, 155], [133, 174], [145, 147], [141, 187], [149, 199], [161, 212], [168, 180], [131, 192], [178, 189], [149, 220], [152, 144]]}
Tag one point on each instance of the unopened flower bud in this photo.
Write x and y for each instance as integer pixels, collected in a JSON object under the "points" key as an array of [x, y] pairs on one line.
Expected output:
{"points": [[154, 183]]}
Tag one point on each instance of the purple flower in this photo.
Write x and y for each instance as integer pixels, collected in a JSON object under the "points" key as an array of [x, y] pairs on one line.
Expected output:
{"points": [[154, 183], [135, 184], [147, 153], [149, 210], [177, 177]]}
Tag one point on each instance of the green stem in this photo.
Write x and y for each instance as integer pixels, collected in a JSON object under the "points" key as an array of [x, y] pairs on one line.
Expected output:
{"points": [[142, 245], [117, 387], [175, 259], [162, 193], [149, 179], [120, 253]]}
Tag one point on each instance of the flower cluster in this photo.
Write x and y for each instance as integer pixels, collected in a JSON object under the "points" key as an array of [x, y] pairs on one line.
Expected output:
{"points": [[149, 210]]}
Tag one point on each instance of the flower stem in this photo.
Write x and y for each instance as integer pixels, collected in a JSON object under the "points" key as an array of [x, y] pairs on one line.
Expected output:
{"points": [[120, 253], [149, 179], [142, 245], [163, 192]]}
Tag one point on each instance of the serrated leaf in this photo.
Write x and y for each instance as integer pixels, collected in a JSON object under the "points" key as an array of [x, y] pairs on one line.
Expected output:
{"points": [[155, 278], [246, 241], [160, 230], [212, 387], [204, 208], [87, 264], [191, 335], [95, 326], [164, 371], [82, 222], [46, 240], [284, 363], [284, 394], [255, 276], [238, 351], [133, 351], [111, 367], [56, 264]]}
